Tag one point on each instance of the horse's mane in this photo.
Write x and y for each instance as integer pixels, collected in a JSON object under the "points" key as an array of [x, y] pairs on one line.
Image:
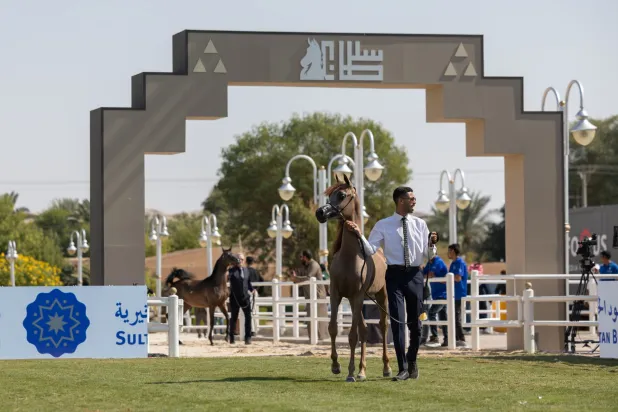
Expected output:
{"points": [[181, 274], [356, 217]]}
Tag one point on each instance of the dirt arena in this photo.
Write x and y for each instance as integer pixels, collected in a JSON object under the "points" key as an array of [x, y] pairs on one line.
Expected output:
{"points": [[200, 347]]}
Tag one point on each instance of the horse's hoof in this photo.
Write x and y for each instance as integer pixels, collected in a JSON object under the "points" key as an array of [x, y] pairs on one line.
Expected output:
{"points": [[336, 370], [350, 379], [387, 374], [212, 343], [361, 378]]}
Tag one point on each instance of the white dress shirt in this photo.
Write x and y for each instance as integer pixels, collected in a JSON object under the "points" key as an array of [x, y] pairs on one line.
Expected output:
{"points": [[388, 234]]}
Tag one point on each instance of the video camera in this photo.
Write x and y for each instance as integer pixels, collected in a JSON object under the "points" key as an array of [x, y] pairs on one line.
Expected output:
{"points": [[585, 251]]}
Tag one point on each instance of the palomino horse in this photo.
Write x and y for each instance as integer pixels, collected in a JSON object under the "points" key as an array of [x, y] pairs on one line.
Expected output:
{"points": [[210, 293], [351, 276]]}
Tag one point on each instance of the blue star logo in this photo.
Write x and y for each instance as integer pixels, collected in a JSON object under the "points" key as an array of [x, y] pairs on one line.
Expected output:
{"points": [[56, 323]]}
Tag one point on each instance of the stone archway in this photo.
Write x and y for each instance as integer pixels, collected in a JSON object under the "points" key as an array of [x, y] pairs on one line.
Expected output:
{"points": [[449, 67]]}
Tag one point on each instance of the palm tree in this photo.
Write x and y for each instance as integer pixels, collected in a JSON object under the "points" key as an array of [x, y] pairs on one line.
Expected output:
{"points": [[472, 223], [12, 197]]}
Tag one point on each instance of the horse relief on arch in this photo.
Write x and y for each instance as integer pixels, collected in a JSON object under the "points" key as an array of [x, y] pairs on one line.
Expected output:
{"points": [[313, 62]]}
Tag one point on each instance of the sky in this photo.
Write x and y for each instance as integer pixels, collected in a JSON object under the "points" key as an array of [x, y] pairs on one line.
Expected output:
{"points": [[62, 59]]}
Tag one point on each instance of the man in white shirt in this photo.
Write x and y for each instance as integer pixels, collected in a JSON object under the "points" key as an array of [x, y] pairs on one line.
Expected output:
{"points": [[404, 279]]}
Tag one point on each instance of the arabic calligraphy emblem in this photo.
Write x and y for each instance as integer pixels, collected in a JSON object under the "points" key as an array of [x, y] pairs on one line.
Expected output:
{"points": [[354, 63], [56, 323]]}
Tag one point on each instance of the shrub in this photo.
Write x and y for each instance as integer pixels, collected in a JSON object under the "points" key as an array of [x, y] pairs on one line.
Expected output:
{"points": [[29, 272]]}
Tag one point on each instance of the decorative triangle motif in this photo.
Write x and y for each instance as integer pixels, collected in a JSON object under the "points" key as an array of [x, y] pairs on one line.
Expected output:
{"points": [[450, 70], [461, 51], [470, 71], [210, 48], [199, 67], [220, 67]]}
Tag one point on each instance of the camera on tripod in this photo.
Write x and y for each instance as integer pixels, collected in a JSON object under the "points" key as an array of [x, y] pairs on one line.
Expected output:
{"points": [[585, 251]]}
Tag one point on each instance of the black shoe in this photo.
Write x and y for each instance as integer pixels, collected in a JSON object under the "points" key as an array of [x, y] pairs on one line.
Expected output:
{"points": [[401, 376], [248, 341], [413, 370]]}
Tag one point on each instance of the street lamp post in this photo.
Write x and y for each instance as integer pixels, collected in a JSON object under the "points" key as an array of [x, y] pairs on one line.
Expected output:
{"points": [[343, 169], [209, 232], [11, 256], [451, 202], [158, 230], [82, 247], [373, 169], [279, 229], [286, 191], [583, 133]]}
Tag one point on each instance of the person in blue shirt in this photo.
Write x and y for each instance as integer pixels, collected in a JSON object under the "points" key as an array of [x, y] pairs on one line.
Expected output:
{"points": [[436, 268], [460, 270], [608, 267]]}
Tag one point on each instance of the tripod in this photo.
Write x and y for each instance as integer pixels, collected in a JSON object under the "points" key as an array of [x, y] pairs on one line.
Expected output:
{"points": [[586, 265]]}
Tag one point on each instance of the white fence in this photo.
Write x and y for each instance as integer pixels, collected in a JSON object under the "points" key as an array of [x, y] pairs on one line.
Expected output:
{"points": [[174, 311], [276, 318]]}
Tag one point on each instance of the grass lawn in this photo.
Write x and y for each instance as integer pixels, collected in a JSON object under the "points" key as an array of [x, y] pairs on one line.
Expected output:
{"points": [[306, 384]]}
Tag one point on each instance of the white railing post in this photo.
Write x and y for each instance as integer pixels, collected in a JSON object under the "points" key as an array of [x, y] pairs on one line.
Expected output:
{"points": [[173, 333], [241, 325], [474, 309], [275, 311], [295, 323], [339, 319], [528, 320], [450, 309], [313, 304]]}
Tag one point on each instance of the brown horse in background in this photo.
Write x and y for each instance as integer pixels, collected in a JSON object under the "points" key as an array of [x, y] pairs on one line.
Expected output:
{"points": [[346, 279], [210, 293]]}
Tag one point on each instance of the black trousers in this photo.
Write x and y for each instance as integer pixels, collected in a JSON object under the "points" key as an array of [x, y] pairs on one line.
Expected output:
{"points": [[234, 317], [405, 292], [459, 333]]}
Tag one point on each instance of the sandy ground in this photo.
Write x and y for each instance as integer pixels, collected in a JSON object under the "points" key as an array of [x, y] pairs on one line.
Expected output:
{"points": [[200, 347]]}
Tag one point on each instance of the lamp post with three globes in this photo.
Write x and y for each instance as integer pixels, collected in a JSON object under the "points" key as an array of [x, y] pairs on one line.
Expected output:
{"points": [[158, 230], [451, 203], [279, 229], [82, 247], [209, 233]]}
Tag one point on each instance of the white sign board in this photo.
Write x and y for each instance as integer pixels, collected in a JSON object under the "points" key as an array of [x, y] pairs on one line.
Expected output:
{"points": [[608, 319], [47, 322]]}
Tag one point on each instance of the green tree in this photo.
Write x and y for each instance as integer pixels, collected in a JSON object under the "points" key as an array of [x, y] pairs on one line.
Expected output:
{"points": [[472, 223], [63, 217], [29, 238], [493, 248], [599, 162], [252, 169]]}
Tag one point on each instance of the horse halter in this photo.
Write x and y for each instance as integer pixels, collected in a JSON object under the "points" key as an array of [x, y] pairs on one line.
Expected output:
{"points": [[328, 211]]}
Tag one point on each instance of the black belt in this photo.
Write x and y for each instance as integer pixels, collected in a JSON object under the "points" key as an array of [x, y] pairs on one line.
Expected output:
{"points": [[403, 267]]}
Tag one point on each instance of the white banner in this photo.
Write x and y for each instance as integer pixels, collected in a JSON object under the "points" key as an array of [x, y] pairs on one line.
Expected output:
{"points": [[608, 318], [47, 322]]}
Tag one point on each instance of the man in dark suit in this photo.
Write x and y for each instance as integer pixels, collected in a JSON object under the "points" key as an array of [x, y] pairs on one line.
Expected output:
{"points": [[240, 298]]}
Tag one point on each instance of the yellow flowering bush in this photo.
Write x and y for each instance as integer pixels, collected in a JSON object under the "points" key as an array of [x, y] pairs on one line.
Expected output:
{"points": [[29, 272]]}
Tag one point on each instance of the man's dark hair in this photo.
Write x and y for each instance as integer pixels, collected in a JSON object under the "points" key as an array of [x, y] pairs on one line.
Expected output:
{"points": [[455, 248], [250, 260], [400, 191], [307, 253], [606, 254]]}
